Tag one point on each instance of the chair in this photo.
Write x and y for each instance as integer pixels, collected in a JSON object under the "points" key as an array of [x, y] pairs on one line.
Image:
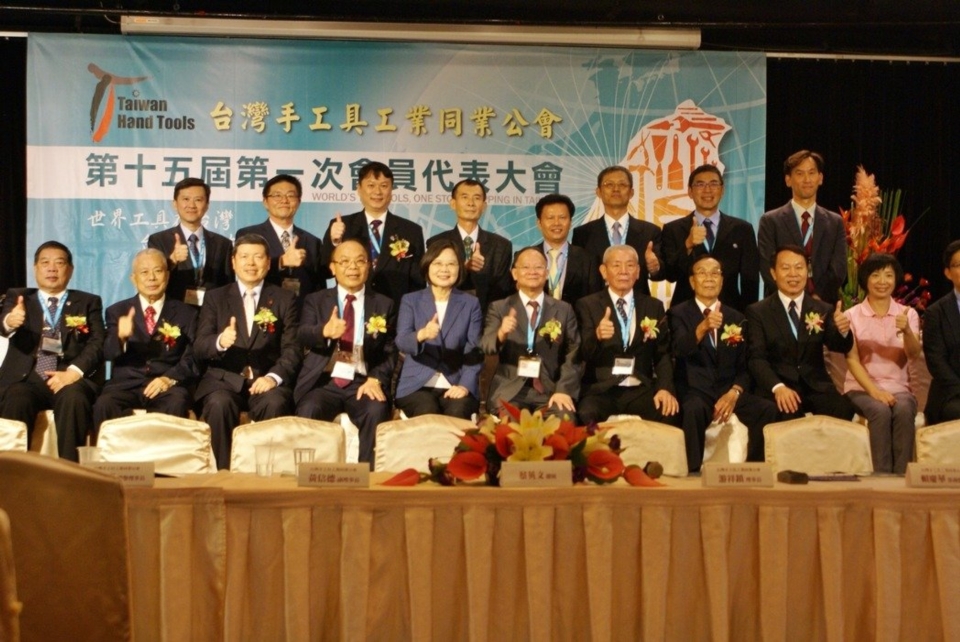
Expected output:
{"points": [[45, 435], [818, 445], [13, 435], [726, 442], [939, 444], [177, 446], [69, 531], [352, 436], [285, 434], [9, 604], [410, 443], [644, 441]]}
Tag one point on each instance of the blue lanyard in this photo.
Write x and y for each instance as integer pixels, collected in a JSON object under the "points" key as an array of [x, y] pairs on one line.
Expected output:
{"points": [[200, 258], [561, 265], [530, 329], [373, 239], [806, 238], [53, 322], [625, 325]]}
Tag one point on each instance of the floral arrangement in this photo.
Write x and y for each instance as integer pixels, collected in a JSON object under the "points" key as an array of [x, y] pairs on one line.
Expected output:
{"points": [[732, 334], [77, 323], [814, 322], [169, 334], [552, 330], [399, 247], [649, 328], [376, 324], [916, 295], [265, 319]]}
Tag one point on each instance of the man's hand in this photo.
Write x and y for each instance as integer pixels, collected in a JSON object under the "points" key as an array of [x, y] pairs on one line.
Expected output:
{"points": [[507, 325], [60, 379], [475, 264], [294, 256], [561, 401], [653, 263], [788, 401], [337, 228], [725, 405], [17, 316], [335, 326], [666, 403], [180, 252], [430, 331], [841, 320], [605, 329], [372, 389], [456, 392], [229, 335], [125, 325], [158, 386], [697, 235], [262, 384]]}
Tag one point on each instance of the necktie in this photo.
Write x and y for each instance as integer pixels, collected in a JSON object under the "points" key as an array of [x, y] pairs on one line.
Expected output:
{"points": [[617, 236], [534, 314], [375, 246], [47, 361], [193, 244], [707, 223], [468, 247], [713, 332], [150, 317], [285, 240], [807, 248], [554, 273], [250, 309], [622, 310], [346, 340], [794, 319]]}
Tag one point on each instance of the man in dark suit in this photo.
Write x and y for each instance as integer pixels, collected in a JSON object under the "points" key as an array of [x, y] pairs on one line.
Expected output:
{"points": [[486, 256], [615, 190], [625, 344], [198, 259], [803, 223], [538, 342], [150, 342], [348, 333], [572, 273], [941, 345], [786, 336], [396, 244], [55, 354], [705, 231], [295, 254], [247, 340], [709, 345]]}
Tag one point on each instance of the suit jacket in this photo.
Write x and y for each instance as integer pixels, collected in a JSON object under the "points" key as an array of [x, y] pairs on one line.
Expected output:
{"points": [[81, 349], [455, 352], [560, 358], [379, 351], [699, 365], [774, 356], [941, 347], [593, 238], [494, 281], [582, 274], [653, 364], [312, 274], [779, 227], [217, 266], [146, 356], [735, 246], [393, 276], [263, 351]]}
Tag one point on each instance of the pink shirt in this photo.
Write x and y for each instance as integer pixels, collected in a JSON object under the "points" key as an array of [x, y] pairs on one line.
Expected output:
{"points": [[881, 350]]}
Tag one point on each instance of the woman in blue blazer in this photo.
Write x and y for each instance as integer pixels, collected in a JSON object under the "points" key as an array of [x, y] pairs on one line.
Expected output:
{"points": [[438, 332]]}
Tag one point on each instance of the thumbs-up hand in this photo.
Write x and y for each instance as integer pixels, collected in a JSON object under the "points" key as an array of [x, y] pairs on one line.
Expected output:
{"points": [[507, 325], [337, 228], [17, 316], [650, 257], [229, 335], [902, 323], [605, 329], [429, 331], [475, 264], [713, 320], [125, 325], [180, 252], [841, 320], [697, 235], [335, 326], [294, 256]]}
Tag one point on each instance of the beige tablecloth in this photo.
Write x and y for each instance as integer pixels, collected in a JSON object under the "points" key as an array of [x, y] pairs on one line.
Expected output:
{"points": [[236, 557]]}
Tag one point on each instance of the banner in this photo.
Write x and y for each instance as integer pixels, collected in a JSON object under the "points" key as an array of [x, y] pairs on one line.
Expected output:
{"points": [[115, 122]]}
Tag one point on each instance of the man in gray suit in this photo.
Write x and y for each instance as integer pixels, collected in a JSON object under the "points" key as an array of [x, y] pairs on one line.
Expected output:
{"points": [[803, 223], [538, 342]]}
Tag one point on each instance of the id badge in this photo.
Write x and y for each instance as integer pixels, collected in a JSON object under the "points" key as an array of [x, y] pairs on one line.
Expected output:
{"points": [[344, 366], [292, 284], [53, 345], [194, 297], [623, 365], [528, 367]]}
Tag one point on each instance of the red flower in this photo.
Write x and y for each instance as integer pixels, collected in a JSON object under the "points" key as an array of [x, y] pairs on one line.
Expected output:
{"points": [[561, 448], [571, 433], [474, 441], [467, 465], [408, 477], [504, 443], [636, 477], [604, 466]]}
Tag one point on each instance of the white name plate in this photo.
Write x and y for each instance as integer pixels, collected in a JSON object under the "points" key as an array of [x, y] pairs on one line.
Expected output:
{"points": [[739, 475], [334, 475], [536, 474], [132, 473], [932, 476]]}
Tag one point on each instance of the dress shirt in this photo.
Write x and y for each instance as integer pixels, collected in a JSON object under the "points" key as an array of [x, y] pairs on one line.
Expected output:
{"points": [[630, 306]]}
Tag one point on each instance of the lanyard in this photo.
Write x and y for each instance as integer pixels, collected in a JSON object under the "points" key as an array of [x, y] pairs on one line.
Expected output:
{"points": [[52, 322], [625, 325], [357, 319], [531, 331], [806, 237], [561, 265], [201, 256], [373, 238]]}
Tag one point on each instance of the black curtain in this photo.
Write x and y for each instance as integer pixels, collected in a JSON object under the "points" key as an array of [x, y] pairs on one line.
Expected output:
{"points": [[13, 163]]}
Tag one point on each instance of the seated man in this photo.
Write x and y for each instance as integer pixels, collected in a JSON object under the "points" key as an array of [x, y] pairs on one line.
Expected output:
{"points": [[150, 342], [786, 336], [538, 343], [55, 355], [941, 345], [247, 339], [711, 364], [348, 333], [625, 343]]}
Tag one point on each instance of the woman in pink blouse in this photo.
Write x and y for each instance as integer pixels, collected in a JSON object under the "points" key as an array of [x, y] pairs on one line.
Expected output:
{"points": [[886, 337]]}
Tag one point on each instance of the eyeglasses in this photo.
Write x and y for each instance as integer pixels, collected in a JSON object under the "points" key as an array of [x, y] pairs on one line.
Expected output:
{"points": [[706, 184], [343, 264], [531, 268], [705, 273], [289, 196], [611, 185]]}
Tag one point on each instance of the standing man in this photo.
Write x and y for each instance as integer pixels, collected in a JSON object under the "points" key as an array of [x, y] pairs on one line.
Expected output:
{"points": [[198, 259], [803, 223], [247, 340], [348, 334], [709, 344], [294, 252], [55, 354], [786, 337], [396, 244], [625, 343], [537, 339], [486, 256], [150, 342], [572, 273], [941, 345], [617, 227], [708, 231]]}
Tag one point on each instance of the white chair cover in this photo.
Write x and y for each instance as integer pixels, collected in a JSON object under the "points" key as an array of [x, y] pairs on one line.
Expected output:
{"points": [[175, 445], [13, 435], [410, 443], [352, 435], [644, 441], [726, 442], [9, 604], [285, 434], [69, 527], [45, 435], [939, 444], [818, 445]]}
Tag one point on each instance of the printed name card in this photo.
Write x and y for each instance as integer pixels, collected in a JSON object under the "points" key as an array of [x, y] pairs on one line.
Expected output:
{"points": [[334, 475], [739, 475], [932, 476], [132, 473], [535, 474]]}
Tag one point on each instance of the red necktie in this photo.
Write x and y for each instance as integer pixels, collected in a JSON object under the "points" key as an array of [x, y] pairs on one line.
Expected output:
{"points": [[346, 340], [807, 249], [713, 332], [150, 317]]}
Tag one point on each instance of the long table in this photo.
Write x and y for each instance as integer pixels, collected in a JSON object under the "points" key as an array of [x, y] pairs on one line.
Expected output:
{"points": [[237, 557]]}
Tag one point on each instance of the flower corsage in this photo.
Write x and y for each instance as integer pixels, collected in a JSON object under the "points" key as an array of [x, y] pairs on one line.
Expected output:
{"points": [[265, 319], [376, 324], [552, 330], [814, 322], [169, 334]]}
